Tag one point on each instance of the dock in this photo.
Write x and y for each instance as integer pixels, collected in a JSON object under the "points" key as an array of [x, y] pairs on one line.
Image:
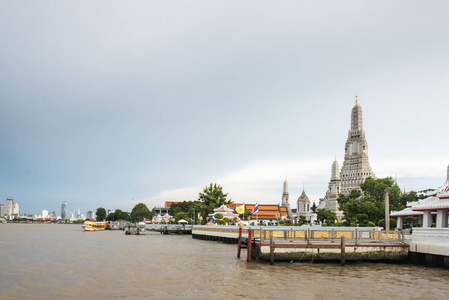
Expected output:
{"points": [[169, 228], [311, 243]]}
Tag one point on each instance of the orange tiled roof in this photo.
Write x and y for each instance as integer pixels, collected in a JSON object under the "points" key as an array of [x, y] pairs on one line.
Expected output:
{"points": [[168, 203], [268, 211]]}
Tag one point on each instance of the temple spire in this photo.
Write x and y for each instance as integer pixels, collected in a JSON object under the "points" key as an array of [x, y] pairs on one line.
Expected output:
{"points": [[356, 100], [285, 194]]}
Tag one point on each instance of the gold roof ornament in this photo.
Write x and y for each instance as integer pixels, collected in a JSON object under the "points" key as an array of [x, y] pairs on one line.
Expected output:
{"points": [[356, 100]]}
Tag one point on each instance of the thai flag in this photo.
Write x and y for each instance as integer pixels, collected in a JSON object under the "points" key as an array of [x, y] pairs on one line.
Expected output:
{"points": [[255, 209]]}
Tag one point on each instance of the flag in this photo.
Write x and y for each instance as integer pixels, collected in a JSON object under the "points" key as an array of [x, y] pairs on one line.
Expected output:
{"points": [[255, 209], [240, 209]]}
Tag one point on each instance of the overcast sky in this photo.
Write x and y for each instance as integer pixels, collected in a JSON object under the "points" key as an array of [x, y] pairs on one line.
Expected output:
{"points": [[112, 103]]}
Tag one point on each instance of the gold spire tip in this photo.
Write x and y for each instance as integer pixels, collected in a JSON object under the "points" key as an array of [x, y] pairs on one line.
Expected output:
{"points": [[356, 100]]}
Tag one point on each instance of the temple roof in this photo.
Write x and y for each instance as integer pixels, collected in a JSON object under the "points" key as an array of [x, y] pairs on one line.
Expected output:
{"points": [[303, 197], [268, 211], [431, 203], [405, 213]]}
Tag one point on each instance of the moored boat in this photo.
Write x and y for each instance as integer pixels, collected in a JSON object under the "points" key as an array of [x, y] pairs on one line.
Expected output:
{"points": [[94, 226]]}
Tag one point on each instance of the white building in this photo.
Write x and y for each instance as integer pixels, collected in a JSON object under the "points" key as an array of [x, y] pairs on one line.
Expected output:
{"points": [[44, 214], [303, 206], [16, 209], [9, 207]]}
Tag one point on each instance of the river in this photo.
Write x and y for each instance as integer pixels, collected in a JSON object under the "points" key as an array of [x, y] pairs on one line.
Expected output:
{"points": [[61, 261]]}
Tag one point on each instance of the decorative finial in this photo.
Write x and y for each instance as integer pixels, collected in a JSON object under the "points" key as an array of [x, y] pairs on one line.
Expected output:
{"points": [[356, 100], [335, 157]]}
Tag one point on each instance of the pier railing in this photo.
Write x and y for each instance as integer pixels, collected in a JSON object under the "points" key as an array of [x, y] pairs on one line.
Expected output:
{"points": [[352, 234], [355, 235]]}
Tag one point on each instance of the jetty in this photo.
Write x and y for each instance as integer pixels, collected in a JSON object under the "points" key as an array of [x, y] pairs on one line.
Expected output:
{"points": [[310, 243], [170, 228]]}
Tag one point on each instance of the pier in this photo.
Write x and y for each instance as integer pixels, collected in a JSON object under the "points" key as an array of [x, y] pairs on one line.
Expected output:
{"points": [[169, 228], [311, 243]]}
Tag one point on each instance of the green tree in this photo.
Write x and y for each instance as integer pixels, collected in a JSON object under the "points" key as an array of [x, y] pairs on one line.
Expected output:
{"points": [[122, 215], [370, 201], [409, 221], [213, 195], [302, 220], [101, 214], [325, 214], [140, 212], [393, 223], [218, 216], [181, 215]]}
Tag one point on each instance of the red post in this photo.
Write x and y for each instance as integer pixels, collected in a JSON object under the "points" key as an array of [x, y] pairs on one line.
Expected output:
{"points": [[250, 239], [239, 247]]}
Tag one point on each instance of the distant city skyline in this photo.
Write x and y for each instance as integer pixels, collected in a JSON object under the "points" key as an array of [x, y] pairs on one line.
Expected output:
{"points": [[112, 105]]}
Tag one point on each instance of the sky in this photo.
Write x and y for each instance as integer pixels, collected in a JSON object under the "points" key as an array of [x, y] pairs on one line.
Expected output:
{"points": [[112, 103]]}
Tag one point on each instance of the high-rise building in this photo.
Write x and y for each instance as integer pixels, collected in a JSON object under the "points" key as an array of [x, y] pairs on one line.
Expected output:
{"points": [[44, 214], [9, 207], [16, 211], [90, 215], [356, 167], [64, 210], [2, 210]]}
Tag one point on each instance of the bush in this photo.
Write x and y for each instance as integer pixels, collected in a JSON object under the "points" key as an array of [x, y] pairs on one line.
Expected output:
{"points": [[218, 216], [409, 222], [371, 224], [393, 223]]}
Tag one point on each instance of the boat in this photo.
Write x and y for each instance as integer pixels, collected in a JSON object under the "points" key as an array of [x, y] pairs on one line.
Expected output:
{"points": [[135, 229], [94, 226]]}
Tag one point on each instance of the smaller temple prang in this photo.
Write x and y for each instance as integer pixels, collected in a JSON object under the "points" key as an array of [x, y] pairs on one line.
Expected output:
{"points": [[285, 199], [329, 201]]}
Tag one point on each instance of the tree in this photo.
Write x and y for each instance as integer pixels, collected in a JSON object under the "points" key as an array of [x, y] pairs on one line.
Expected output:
{"points": [[218, 216], [213, 195], [302, 220], [140, 212], [101, 214], [370, 201], [325, 214], [409, 221], [181, 215]]}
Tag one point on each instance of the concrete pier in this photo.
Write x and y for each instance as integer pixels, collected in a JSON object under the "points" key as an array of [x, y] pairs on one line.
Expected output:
{"points": [[313, 243]]}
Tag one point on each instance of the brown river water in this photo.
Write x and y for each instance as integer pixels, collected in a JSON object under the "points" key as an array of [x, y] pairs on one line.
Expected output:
{"points": [[61, 261]]}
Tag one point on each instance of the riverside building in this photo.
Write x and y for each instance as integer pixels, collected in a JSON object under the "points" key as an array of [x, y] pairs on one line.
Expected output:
{"points": [[9, 207], [64, 210]]}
